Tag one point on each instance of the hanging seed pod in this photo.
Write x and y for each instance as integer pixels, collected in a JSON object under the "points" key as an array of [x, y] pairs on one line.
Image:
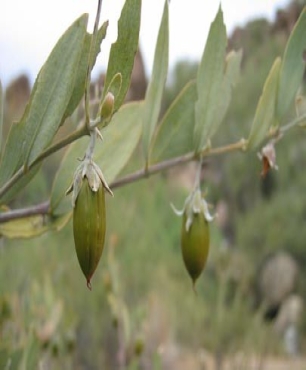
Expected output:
{"points": [[89, 219], [195, 245], [195, 234], [89, 225]]}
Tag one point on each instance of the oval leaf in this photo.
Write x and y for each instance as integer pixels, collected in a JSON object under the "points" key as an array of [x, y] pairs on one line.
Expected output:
{"points": [[50, 96], [156, 85], [19, 185], [292, 68], [55, 86], [81, 74], [230, 78], [265, 111], [209, 82], [32, 226], [174, 136]]}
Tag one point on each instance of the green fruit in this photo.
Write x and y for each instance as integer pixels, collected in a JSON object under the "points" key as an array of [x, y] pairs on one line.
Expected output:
{"points": [[89, 225], [195, 245]]}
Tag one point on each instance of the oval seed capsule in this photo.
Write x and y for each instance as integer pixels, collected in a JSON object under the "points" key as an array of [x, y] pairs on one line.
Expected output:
{"points": [[89, 225], [195, 245]]}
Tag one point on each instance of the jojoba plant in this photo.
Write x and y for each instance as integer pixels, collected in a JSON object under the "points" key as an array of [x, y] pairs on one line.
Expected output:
{"points": [[184, 133]]}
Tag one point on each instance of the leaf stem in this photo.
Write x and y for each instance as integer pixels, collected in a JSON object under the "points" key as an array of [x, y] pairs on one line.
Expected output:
{"points": [[148, 171], [89, 66], [43, 208], [38, 209], [165, 165], [17, 175], [52, 149], [293, 123], [77, 134]]}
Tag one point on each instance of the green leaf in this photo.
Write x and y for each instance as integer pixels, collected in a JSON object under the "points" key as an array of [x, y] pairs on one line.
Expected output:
{"points": [[230, 78], [265, 114], [120, 140], [174, 136], [19, 185], [55, 86], [1, 115], [210, 80], [122, 53], [13, 156], [292, 68], [81, 74], [32, 226], [49, 99], [232, 66], [156, 85]]}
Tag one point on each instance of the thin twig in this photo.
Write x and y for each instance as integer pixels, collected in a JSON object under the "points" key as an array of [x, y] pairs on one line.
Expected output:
{"points": [[296, 121], [52, 149], [89, 66], [43, 208], [82, 131], [6, 187], [159, 167], [38, 209]]}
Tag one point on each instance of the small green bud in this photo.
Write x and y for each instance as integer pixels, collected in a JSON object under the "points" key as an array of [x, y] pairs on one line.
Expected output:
{"points": [[107, 107]]}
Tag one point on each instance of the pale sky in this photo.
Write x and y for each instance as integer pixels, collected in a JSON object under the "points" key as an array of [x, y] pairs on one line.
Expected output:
{"points": [[29, 29]]}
